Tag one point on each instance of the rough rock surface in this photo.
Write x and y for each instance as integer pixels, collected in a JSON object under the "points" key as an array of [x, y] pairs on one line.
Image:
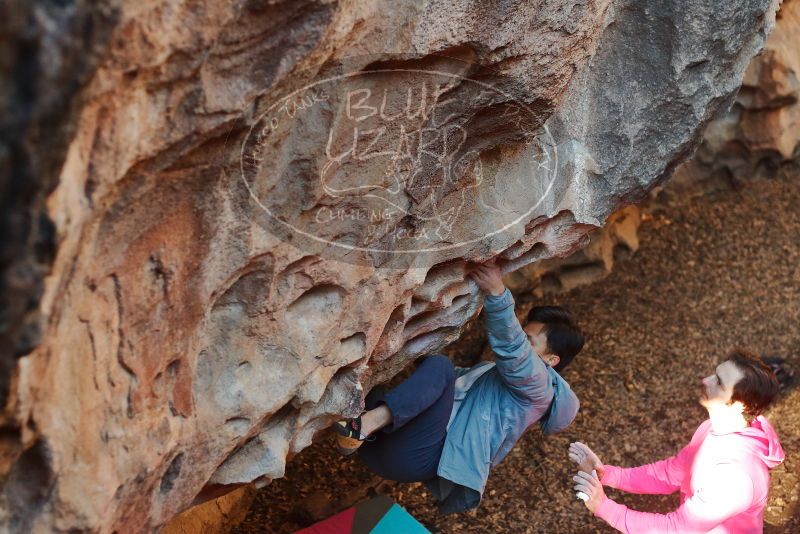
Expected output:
{"points": [[190, 344], [761, 131], [48, 50], [617, 238], [217, 516]]}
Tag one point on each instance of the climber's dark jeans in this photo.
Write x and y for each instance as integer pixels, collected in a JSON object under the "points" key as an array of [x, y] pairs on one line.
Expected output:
{"points": [[408, 450]]}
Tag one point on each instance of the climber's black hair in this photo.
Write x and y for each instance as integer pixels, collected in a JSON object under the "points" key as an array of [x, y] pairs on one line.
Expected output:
{"points": [[564, 338]]}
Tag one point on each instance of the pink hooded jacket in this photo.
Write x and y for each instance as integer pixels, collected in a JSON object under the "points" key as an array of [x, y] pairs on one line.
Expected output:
{"points": [[723, 480]]}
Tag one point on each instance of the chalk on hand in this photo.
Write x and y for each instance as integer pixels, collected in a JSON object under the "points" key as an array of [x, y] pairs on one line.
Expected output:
{"points": [[582, 496]]}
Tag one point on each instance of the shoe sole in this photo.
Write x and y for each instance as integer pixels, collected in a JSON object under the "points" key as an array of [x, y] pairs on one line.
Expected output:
{"points": [[347, 446]]}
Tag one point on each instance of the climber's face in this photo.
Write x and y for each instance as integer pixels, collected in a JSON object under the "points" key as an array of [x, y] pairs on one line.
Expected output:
{"points": [[717, 388], [537, 335]]}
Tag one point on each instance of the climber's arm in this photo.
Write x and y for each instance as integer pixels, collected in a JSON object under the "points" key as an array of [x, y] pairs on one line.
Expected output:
{"points": [[519, 366]]}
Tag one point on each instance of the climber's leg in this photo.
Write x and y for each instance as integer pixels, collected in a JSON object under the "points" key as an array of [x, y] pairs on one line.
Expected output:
{"points": [[407, 449]]}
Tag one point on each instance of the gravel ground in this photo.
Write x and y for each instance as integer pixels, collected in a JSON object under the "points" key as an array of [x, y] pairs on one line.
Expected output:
{"points": [[712, 273]]}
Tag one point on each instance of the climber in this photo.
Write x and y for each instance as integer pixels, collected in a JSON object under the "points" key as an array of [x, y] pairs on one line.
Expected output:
{"points": [[448, 426], [722, 474]]}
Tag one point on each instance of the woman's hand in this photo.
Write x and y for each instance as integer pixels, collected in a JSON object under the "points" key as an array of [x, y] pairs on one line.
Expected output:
{"points": [[589, 486], [487, 276], [586, 459]]}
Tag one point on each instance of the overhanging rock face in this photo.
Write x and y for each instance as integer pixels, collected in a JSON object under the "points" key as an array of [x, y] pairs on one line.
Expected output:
{"points": [[267, 208]]}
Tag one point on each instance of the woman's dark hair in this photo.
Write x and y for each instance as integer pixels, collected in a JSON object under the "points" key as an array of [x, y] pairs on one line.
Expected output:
{"points": [[759, 385], [564, 338]]}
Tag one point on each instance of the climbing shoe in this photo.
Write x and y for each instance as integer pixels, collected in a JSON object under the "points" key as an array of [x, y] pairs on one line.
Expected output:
{"points": [[348, 435]]}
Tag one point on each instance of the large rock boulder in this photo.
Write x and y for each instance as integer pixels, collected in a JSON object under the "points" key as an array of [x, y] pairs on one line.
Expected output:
{"points": [[266, 208]]}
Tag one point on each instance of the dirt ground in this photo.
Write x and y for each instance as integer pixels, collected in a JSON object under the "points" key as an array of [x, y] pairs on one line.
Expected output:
{"points": [[712, 273]]}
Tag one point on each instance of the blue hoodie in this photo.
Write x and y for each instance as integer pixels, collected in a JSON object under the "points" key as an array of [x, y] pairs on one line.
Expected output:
{"points": [[495, 403]]}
